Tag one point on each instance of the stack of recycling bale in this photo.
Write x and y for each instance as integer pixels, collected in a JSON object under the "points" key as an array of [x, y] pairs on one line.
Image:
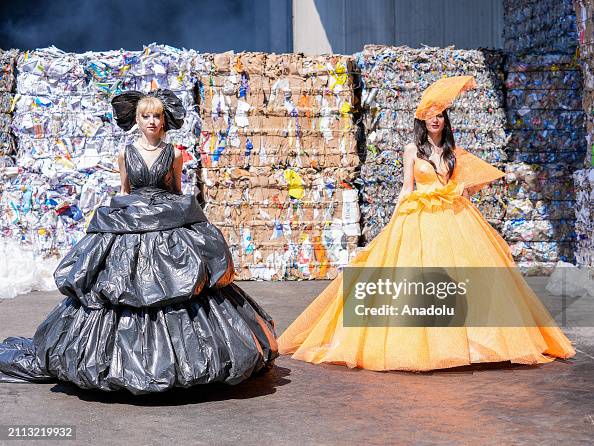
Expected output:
{"points": [[584, 212], [7, 83], [543, 26], [68, 140], [547, 141], [585, 23], [584, 178], [279, 159], [546, 123], [393, 81]]}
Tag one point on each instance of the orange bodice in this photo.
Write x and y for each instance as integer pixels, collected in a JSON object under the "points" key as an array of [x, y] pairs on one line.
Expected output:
{"points": [[470, 171], [426, 178]]}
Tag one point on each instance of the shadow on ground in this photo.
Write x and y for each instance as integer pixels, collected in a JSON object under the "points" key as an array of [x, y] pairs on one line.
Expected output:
{"points": [[261, 385]]}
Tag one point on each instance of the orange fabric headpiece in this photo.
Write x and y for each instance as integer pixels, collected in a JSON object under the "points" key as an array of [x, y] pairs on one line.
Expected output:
{"points": [[440, 95]]}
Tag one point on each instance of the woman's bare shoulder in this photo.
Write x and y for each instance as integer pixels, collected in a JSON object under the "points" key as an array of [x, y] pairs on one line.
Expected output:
{"points": [[177, 153], [410, 150]]}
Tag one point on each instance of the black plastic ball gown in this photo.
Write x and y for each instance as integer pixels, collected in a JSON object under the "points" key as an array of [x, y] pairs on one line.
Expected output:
{"points": [[150, 301]]}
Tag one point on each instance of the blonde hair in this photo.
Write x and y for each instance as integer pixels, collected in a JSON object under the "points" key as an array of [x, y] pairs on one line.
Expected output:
{"points": [[149, 104]]}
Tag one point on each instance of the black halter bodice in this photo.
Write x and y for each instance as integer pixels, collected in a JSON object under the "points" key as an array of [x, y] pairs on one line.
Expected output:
{"points": [[140, 175]]}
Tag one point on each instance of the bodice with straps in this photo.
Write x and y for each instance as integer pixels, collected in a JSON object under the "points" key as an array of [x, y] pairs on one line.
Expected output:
{"points": [[425, 176], [430, 192], [141, 175], [152, 205]]}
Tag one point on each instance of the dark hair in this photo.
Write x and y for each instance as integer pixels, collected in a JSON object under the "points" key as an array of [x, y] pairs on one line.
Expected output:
{"points": [[447, 142]]}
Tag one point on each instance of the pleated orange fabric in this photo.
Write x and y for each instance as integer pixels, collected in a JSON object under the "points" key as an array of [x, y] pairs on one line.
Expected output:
{"points": [[435, 226]]}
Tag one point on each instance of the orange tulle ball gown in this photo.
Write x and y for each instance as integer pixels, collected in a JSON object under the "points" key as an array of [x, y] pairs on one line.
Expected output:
{"points": [[433, 226]]}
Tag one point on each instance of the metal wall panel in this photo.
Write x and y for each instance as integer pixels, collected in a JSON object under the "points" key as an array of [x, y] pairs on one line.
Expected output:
{"points": [[280, 33], [345, 26]]}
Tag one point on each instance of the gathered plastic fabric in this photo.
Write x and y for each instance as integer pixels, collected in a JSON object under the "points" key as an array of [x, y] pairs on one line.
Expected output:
{"points": [[473, 172], [441, 94], [150, 304], [430, 200], [435, 226]]}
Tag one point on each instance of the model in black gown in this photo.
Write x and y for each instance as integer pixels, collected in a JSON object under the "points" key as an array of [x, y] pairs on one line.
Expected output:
{"points": [[150, 302]]}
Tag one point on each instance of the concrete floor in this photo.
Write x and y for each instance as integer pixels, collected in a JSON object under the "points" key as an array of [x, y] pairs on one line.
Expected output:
{"points": [[300, 403]]}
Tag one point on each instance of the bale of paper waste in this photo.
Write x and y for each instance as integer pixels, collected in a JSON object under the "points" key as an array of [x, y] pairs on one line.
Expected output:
{"points": [[279, 161], [7, 84], [68, 140]]}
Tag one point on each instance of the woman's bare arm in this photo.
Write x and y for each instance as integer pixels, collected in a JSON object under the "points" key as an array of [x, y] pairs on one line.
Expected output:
{"points": [[410, 153], [177, 171], [125, 183]]}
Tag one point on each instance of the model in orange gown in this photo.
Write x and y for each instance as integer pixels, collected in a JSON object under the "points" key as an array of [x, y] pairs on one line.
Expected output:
{"points": [[433, 226]]}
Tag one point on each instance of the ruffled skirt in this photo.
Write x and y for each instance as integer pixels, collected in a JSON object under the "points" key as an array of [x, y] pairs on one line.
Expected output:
{"points": [[430, 229], [146, 309]]}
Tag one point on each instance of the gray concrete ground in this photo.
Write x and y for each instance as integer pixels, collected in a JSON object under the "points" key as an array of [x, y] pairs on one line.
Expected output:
{"points": [[300, 403]]}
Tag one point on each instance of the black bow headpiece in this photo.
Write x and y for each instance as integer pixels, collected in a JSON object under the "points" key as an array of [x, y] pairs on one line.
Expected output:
{"points": [[125, 104]]}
